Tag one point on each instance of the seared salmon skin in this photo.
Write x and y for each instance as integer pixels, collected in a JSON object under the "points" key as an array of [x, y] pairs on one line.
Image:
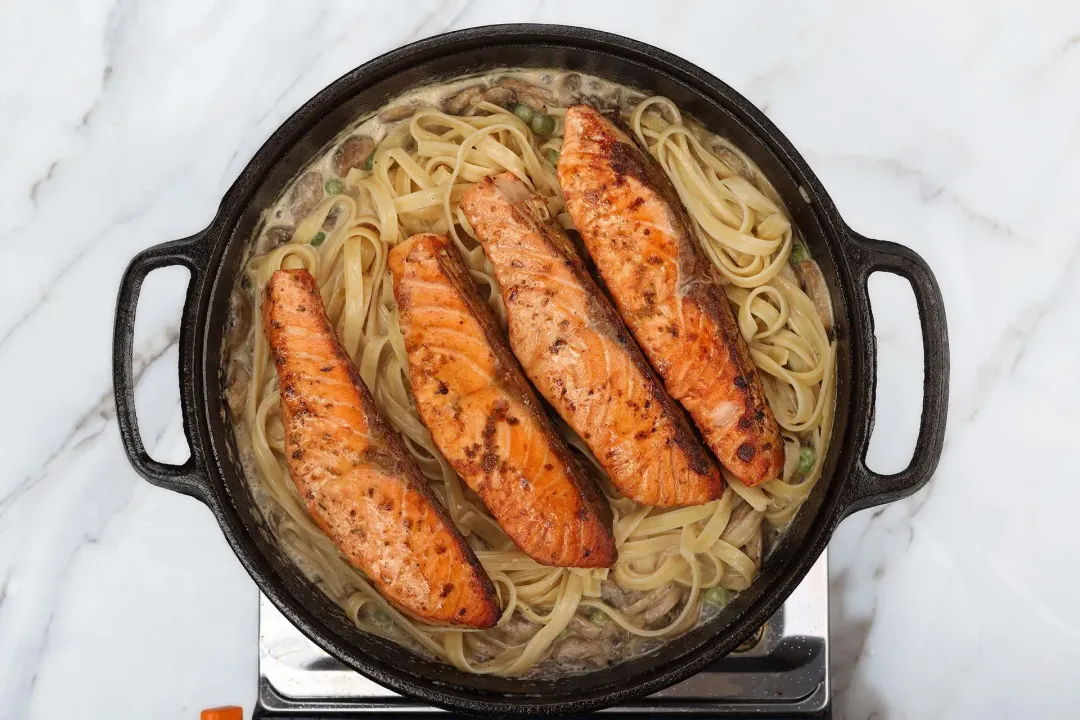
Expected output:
{"points": [[672, 299], [353, 472], [576, 350], [484, 416]]}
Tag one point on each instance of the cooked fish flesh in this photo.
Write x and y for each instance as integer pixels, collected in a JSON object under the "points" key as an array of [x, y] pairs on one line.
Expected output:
{"points": [[672, 299], [579, 354], [353, 472], [484, 417]]}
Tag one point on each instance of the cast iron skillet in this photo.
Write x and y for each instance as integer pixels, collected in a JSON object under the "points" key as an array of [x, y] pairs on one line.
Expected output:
{"points": [[847, 259]]}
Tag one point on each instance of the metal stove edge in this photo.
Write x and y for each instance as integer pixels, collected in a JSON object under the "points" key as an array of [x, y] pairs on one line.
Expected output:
{"points": [[298, 680]]}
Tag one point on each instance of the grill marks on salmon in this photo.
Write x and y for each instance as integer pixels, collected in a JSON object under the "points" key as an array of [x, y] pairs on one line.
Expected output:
{"points": [[672, 299], [484, 417], [576, 350], [354, 475]]}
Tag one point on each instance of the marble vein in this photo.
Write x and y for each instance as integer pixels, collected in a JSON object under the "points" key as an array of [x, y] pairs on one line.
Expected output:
{"points": [[113, 30], [31, 635], [43, 297], [40, 182], [88, 538], [94, 422], [437, 19], [114, 26], [931, 191], [1011, 347]]}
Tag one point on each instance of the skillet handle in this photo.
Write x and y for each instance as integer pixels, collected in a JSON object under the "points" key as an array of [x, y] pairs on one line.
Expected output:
{"points": [[867, 488], [189, 478]]}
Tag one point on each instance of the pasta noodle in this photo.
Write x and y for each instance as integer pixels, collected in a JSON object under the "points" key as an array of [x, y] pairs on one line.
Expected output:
{"points": [[419, 171]]}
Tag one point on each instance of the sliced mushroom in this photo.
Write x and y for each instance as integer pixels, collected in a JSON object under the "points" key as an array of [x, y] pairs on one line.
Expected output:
{"points": [[306, 194], [646, 602], [236, 392], [755, 545], [600, 102], [499, 95], [400, 112], [814, 283], [741, 525], [460, 102], [613, 639], [353, 153], [664, 604], [276, 236], [239, 318], [574, 649], [584, 628], [518, 629], [331, 218], [570, 84], [542, 96], [617, 597]]}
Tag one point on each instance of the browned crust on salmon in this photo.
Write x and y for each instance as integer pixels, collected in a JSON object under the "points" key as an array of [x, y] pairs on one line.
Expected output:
{"points": [[672, 299], [483, 415], [579, 354], [353, 472]]}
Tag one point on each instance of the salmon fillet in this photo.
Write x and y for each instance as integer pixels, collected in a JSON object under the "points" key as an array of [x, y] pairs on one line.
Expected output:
{"points": [[353, 473], [484, 417], [670, 296], [576, 350]]}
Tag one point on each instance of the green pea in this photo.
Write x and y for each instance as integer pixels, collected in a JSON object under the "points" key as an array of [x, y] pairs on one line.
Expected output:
{"points": [[524, 112], [552, 155], [334, 186], [715, 596], [799, 253], [598, 617], [542, 124], [317, 240], [806, 460], [370, 162]]}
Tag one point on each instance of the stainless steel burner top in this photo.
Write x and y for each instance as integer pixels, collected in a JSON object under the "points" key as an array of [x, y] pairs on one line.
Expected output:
{"points": [[785, 673]]}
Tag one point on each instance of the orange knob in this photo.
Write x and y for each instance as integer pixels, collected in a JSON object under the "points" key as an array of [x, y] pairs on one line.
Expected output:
{"points": [[231, 712]]}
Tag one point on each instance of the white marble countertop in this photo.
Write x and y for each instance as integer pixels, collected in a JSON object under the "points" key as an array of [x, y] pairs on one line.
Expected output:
{"points": [[951, 127]]}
